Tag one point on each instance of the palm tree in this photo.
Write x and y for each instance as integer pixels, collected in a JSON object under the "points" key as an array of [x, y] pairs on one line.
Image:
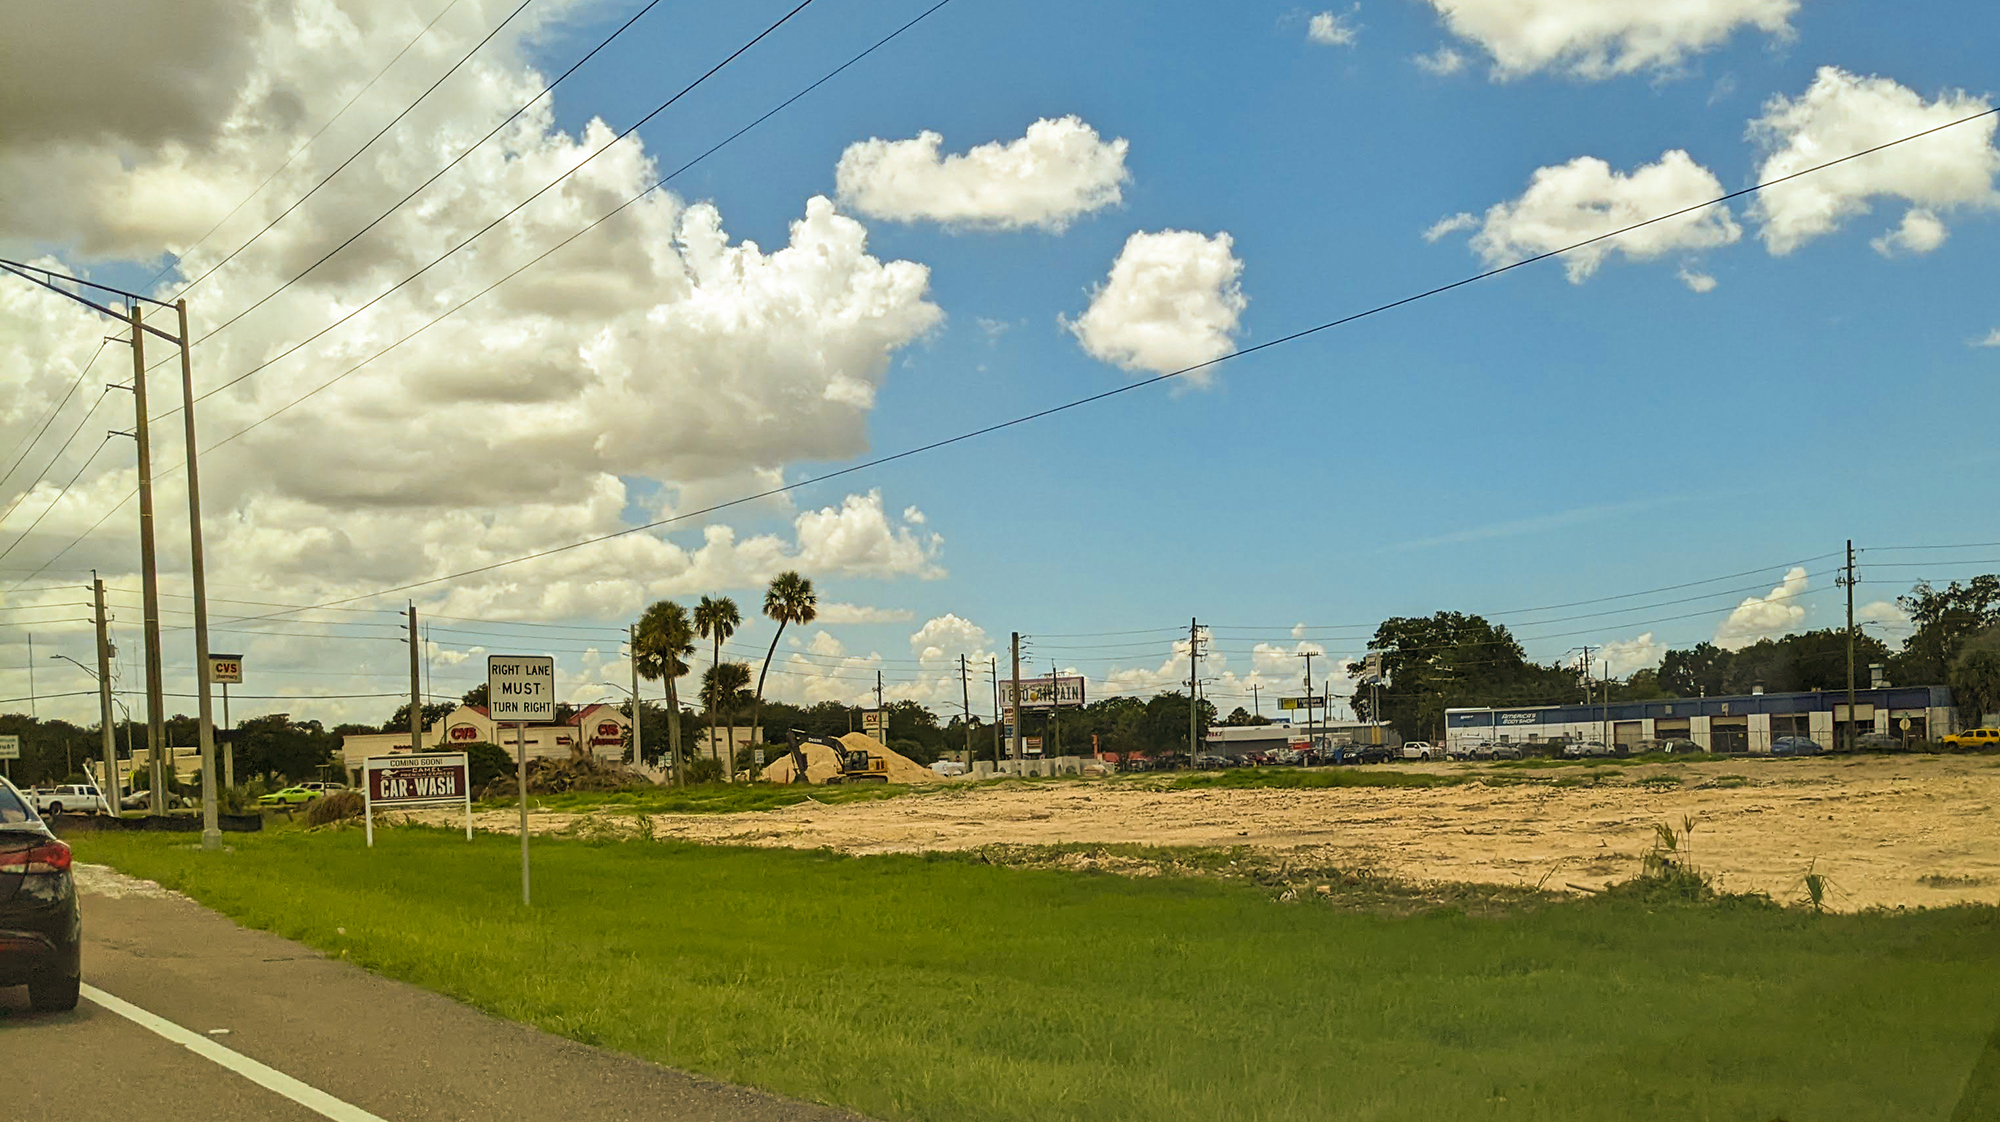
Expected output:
{"points": [[717, 618], [790, 599], [723, 687], [662, 644]]}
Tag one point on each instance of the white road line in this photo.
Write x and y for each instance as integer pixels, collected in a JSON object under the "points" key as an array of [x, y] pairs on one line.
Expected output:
{"points": [[312, 1098]]}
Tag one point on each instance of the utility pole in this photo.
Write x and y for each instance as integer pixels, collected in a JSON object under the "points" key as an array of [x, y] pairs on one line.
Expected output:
{"points": [[1256, 708], [965, 694], [1852, 725], [156, 729], [878, 704], [1015, 746], [638, 741], [993, 673], [211, 834], [109, 787], [34, 713], [1308, 655], [416, 696], [1194, 680]]}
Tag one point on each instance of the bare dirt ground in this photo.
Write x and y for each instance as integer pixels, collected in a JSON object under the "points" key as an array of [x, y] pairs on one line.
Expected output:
{"points": [[1887, 831]]}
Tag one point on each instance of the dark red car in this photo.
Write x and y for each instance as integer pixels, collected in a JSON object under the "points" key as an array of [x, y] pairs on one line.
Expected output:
{"points": [[41, 927]]}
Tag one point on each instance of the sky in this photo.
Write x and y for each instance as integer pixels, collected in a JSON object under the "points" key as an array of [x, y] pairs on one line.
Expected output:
{"points": [[1663, 438]]}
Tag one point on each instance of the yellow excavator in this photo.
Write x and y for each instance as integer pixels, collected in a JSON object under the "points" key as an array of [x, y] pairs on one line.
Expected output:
{"points": [[856, 765]]}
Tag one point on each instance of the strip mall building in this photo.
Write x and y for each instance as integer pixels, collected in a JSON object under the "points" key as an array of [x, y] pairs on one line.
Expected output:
{"points": [[1746, 723], [601, 729]]}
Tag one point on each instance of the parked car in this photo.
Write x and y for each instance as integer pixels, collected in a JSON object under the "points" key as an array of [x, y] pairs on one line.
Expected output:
{"points": [[1421, 750], [69, 798], [324, 788], [143, 800], [1877, 742], [1582, 749], [42, 925], [290, 796], [1973, 738], [1796, 746], [1214, 763], [1506, 752]]}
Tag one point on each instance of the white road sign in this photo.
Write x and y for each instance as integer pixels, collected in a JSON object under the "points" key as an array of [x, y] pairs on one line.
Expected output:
{"points": [[520, 688], [10, 746], [225, 668]]}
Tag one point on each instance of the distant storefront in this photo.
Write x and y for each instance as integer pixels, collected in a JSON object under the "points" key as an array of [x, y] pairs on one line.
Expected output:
{"points": [[599, 729], [1744, 723]]}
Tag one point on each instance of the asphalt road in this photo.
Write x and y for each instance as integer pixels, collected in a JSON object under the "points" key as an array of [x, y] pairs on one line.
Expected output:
{"points": [[375, 1046]]}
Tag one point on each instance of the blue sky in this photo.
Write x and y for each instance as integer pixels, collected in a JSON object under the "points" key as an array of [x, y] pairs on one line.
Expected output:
{"points": [[1548, 436], [1521, 442]]}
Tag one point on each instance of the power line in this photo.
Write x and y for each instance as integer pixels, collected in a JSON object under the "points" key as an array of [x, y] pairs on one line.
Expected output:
{"points": [[296, 152], [42, 476], [57, 501], [509, 213], [189, 286], [439, 174], [50, 276], [1158, 378], [50, 419]]}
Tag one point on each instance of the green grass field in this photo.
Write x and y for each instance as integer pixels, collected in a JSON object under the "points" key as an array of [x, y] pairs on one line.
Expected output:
{"points": [[948, 988]]}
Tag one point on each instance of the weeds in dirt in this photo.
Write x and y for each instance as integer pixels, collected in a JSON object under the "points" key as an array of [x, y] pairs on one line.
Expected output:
{"points": [[1667, 871], [1659, 781], [1816, 886], [1317, 777], [1948, 880]]}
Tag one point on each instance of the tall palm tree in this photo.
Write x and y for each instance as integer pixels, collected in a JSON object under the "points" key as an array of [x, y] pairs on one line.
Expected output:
{"points": [[790, 599], [662, 644], [723, 688], [717, 618]]}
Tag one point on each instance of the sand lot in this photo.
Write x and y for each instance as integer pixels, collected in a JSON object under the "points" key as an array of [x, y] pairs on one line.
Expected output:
{"points": [[1887, 831]]}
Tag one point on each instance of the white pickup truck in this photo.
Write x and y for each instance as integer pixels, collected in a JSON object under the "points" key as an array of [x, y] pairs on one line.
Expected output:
{"points": [[69, 798], [1421, 750]]}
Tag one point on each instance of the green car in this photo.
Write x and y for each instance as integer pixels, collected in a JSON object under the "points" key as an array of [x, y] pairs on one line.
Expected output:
{"points": [[290, 796]]}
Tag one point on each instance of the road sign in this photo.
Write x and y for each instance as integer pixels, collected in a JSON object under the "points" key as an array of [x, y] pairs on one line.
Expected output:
{"points": [[1301, 703], [1032, 745], [1903, 724], [10, 746], [871, 722], [419, 779], [225, 668], [520, 688]]}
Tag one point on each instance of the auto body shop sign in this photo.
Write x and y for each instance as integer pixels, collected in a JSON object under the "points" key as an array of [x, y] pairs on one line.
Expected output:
{"points": [[417, 780]]}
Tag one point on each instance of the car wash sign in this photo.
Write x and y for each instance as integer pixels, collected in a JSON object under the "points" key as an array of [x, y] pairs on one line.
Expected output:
{"points": [[408, 781]]}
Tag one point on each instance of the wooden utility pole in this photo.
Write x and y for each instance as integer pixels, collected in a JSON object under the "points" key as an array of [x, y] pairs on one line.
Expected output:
{"points": [[965, 694], [416, 694], [1853, 726], [638, 738], [149, 580], [1015, 746], [108, 787], [1194, 679]]}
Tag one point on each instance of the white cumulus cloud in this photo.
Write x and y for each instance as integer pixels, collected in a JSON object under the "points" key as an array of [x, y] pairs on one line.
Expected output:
{"points": [[1442, 62], [1620, 658], [1604, 38], [1568, 203], [1920, 232], [1992, 339], [1695, 280], [1058, 172], [1333, 29], [1842, 113], [948, 636], [1450, 224], [1172, 300], [835, 612], [1767, 616]]}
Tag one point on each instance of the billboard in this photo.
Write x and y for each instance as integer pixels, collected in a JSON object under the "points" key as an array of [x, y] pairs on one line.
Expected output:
{"points": [[1371, 670], [1046, 692], [1301, 703]]}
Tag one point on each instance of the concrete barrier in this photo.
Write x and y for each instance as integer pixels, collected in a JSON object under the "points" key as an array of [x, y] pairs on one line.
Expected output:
{"points": [[63, 825]]}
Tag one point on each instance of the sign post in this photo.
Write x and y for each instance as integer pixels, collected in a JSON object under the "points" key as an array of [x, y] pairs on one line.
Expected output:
{"points": [[224, 670], [519, 689], [426, 779]]}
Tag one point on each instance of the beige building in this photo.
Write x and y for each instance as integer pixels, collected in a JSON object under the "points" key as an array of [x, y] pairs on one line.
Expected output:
{"points": [[600, 730]]}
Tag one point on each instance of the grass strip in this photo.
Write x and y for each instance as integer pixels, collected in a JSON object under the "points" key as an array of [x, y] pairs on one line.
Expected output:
{"points": [[908, 987]]}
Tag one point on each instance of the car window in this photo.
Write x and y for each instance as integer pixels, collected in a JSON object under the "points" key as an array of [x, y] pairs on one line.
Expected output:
{"points": [[12, 810]]}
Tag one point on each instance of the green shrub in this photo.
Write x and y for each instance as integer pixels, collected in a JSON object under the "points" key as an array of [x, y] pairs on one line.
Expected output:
{"points": [[703, 770]]}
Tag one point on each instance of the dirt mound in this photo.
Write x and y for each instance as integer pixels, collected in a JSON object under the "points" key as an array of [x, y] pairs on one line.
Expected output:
{"points": [[553, 776], [820, 764]]}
